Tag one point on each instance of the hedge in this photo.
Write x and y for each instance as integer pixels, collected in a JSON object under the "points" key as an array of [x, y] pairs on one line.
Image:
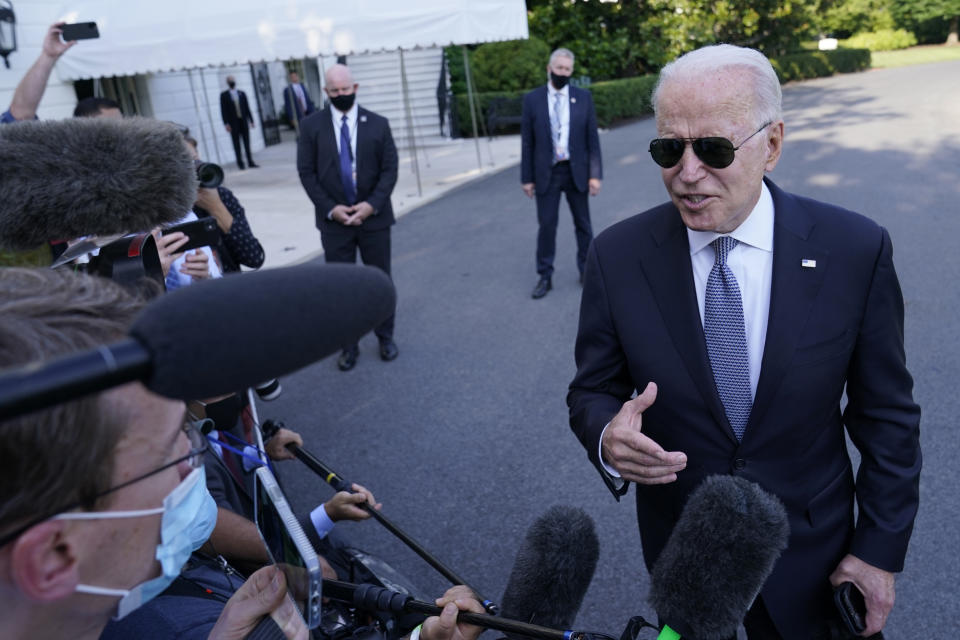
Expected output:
{"points": [[883, 40], [817, 64], [617, 100]]}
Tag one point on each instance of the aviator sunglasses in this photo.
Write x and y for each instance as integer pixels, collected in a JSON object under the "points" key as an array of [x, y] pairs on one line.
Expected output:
{"points": [[714, 152]]}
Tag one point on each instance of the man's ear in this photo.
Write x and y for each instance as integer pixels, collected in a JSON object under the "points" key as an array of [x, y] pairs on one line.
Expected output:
{"points": [[43, 562], [774, 145]]}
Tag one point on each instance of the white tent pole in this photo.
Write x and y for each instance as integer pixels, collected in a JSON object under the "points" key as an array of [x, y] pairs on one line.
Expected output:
{"points": [[196, 109], [473, 115], [411, 135], [206, 99]]}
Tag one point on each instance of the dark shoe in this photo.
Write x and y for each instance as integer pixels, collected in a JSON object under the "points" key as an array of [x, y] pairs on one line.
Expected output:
{"points": [[388, 350], [541, 289], [240, 166], [347, 359], [254, 165]]}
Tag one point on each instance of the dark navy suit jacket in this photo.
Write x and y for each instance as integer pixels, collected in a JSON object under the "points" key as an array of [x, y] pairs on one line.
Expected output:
{"points": [[836, 326], [292, 106], [228, 110], [318, 162], [536, 157]]}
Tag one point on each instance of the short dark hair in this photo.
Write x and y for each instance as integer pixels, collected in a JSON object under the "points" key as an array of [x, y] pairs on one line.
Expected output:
{"points": [[89, 107], [63, 454]]}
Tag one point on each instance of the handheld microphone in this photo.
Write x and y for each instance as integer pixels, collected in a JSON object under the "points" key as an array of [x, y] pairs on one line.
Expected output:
{"points": [[553, 569], [218, 336], [715, 562], [64, 179]]}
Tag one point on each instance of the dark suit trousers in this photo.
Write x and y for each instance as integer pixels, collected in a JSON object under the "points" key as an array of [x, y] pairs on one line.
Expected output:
{"points": [[341, 245], [548, 213], [238, 133]]}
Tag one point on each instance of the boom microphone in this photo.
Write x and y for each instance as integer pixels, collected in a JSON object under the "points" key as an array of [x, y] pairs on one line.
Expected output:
{"points": [[553, 569], [63, 179], [715, 562], [218, 336]]}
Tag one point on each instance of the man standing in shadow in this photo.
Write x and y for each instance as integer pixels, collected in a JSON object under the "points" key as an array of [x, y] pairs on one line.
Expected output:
{"points": [[560, 154], [235, 111], [348, 166]]}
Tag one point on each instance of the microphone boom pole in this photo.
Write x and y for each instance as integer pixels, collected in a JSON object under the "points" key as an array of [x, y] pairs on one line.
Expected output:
{"points": [[365, 596], [332, 478]]}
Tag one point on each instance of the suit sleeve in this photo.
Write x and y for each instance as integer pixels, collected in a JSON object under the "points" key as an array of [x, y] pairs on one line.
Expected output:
{"points": [[593, 141], [246, 108], [307, 167], [288, 103], [387, 174], [602, 382], [223, 108], [884, 423], [526, 141]]}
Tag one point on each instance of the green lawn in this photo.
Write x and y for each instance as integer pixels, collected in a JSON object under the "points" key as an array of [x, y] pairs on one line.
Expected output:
{"points": [[913, 55]]}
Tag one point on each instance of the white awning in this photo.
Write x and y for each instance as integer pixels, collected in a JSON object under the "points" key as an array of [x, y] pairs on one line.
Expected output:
{"points": [[138, 36]]}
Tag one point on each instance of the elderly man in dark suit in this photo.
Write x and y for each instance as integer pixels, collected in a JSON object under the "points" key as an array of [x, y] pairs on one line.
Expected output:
{"points": [[235, 111], [296, 101], [741, 314], [348, 165], [560, 153]]}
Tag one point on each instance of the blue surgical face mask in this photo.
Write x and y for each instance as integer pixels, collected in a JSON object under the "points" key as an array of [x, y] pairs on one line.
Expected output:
{"points": [[189, 515]]}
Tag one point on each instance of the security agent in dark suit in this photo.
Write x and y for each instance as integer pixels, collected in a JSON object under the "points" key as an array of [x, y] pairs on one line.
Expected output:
{"points": [[235, 111], [296, 101], [560, 154], [348, 165], [740, 314]]}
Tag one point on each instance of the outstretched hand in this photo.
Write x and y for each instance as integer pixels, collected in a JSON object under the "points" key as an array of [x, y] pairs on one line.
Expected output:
{"points": [[634, 455]]}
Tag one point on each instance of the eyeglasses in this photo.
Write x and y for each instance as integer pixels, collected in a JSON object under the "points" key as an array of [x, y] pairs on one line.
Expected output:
{"points": [[198, 446], [715, 152]]}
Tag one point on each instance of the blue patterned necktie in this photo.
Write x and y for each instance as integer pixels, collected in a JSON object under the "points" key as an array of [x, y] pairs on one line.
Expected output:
{"points": [[346, 163], [727, 338]]}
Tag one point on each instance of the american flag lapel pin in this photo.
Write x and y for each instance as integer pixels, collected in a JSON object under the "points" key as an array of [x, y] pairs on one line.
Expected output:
{"points": [[807, 263]]}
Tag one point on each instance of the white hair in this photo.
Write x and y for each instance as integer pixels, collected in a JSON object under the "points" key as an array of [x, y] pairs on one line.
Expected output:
{"points": [[561, 52], [715, 58]]}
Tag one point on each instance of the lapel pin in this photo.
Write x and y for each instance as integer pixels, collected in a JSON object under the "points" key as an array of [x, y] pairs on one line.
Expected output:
{"points": [[573, 100], [807, 263], [363, 118]]}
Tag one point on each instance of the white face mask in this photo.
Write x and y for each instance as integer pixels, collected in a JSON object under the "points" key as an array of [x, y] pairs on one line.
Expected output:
{"points": [[189, 515]]}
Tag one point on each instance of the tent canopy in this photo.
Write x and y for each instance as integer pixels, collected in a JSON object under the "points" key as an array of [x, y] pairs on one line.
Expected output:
{"points": [[149, 37]]}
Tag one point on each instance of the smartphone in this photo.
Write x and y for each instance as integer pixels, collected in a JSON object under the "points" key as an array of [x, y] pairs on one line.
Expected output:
{"points": [[851, 606], [202, 232], [79, 31], [288, 546]]}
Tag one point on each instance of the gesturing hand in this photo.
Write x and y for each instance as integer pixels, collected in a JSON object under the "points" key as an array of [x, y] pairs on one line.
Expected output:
{"points": [[635, 456]]}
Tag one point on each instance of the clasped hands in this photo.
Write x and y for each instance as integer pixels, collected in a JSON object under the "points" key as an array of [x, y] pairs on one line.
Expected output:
{"points": [[352, 215]]}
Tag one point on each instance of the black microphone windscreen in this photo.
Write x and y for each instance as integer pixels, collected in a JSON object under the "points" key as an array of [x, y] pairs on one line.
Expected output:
{"points": [[720, 553], [553, 569], [220, 336], [62, 179]]}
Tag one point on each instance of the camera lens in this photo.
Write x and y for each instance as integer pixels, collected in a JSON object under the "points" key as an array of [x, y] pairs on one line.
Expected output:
{"points": [[209, 174]]}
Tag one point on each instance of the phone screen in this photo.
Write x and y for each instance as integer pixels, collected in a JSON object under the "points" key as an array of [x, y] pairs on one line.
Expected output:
{"points": [[284, 552]]}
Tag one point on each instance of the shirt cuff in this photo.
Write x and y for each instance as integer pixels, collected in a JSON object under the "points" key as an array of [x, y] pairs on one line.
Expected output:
{"points": [[613, 473], [321, 521], [330, 215]]}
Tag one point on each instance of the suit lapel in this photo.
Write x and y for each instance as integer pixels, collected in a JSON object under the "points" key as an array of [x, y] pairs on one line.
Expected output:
{"points": [[792, 292], [668, 270]]}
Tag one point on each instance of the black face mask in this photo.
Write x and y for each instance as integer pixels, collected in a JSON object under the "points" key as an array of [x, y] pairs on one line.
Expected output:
{"points": [[343, 102], [558, 82], [225, 413], [231, 84]]}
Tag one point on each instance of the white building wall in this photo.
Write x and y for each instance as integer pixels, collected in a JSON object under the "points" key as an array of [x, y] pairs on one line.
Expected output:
{"points": [[34, 17]]}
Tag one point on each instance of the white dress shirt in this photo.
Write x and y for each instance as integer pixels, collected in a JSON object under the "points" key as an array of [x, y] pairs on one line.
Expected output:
{"points": [[751, 262], [563, 147]]}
